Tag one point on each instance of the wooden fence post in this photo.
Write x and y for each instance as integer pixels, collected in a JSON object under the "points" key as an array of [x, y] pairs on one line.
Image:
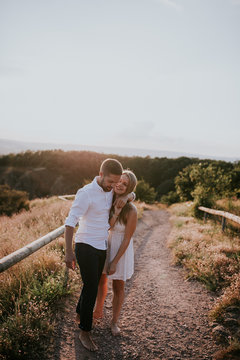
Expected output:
{"points": [[223, 223], [205, 216], [224, 214]]}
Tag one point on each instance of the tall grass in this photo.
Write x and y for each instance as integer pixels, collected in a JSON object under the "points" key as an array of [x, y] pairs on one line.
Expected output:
{"points": [[209, 256], [231, 205], [20, 229], [30, 289]]}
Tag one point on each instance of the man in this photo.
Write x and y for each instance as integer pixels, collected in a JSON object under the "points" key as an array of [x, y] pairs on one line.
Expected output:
{"points": [[92, 204]]}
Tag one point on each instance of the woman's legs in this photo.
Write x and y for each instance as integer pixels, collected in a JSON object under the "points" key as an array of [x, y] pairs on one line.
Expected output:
{"points": [[118, 299], [101, 296]]}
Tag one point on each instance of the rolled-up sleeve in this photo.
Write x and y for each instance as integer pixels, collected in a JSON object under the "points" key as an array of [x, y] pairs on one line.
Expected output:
{"points": [[78, 209]]}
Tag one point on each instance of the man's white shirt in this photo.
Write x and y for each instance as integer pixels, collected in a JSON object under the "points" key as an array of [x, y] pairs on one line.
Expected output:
{"points": [[91, 209]]}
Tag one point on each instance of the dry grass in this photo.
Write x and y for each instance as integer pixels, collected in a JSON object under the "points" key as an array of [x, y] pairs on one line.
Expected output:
{"points": [[30, 289], [211, 257], [142, 206], [230, 205], [230, 297], [20, 229]]}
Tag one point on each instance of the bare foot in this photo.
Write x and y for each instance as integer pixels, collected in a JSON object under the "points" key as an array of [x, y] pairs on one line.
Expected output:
{"points": [[86, 340], [115, 329], [97, 315], [77, 319]]}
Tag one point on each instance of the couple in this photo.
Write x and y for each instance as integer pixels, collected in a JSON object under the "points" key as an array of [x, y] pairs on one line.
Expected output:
{"points": [[105, 203]]}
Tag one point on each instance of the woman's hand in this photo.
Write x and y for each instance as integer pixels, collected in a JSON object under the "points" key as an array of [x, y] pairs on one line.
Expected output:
{"points": [[112, 268]]}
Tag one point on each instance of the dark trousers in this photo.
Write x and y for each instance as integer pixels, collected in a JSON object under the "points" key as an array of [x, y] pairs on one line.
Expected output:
{"points": [[91, 262]]}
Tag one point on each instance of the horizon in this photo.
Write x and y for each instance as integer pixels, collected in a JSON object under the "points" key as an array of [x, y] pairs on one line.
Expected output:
{"points": [[15, 147], [139, 74]]}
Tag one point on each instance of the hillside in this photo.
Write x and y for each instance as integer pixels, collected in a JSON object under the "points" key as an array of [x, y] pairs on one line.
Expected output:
{"points": [[47, 173]]}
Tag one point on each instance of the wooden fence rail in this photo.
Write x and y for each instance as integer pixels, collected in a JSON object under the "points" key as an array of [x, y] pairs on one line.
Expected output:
{"points": [[225, 215], [66, 197], [20, 254]]}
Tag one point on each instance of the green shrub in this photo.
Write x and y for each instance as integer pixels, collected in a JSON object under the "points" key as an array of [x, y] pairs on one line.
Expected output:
{"points": [[171, 198], [202, 197], [145, 193], [12, 201], [26, 319], [211, 177]]}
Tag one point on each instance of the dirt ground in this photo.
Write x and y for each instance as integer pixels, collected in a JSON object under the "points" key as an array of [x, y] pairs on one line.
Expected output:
{"points": [[164, 317]]}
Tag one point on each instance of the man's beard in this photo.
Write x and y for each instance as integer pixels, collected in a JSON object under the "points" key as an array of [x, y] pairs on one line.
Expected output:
{"points": [[105, 188]]}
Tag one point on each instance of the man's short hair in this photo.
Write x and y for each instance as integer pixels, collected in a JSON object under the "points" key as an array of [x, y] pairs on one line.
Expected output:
{"points": [[111, 166]]}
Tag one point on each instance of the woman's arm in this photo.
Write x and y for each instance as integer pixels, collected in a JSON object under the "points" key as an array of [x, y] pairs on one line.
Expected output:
{"points": [[129, 231], [119, 203], [114, 217]]}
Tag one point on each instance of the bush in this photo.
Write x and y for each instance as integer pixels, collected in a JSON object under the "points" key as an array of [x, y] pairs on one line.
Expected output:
{"points": [[171, 198], [209, 176], [12, 201], [204, 183], [145, 193], [202, 197]]}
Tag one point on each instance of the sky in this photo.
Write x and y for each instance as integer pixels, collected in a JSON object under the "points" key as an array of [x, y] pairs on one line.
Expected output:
{"points": [[153, 74]]}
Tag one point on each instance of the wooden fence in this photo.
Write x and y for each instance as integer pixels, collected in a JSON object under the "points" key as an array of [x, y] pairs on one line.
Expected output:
{"points": [[224, 214], [20, 254], [66, 197]]}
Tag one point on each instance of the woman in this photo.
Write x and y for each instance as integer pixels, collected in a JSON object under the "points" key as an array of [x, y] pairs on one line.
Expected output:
{"points": [[120, 256]]}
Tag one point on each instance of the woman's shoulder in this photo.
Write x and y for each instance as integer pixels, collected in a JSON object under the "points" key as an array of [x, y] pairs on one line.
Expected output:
{"points": [[132, 208]]}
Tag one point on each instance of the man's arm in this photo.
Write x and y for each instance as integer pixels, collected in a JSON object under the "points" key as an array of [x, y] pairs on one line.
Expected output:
{"points": [[70, 259], [122, 200], [78, 209]]}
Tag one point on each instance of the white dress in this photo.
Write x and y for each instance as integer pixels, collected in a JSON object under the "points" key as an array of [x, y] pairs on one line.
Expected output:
{"points": [[125, 265]]}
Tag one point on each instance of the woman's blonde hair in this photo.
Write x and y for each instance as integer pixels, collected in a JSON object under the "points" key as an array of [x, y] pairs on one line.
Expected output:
{"points": [[122, 218], [132, 181]]}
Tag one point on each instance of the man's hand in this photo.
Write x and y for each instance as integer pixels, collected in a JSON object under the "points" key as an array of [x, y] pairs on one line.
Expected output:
{"points": [[111, 268], [70, 260]]}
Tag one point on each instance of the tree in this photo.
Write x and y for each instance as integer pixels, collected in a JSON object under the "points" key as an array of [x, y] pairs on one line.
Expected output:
{"points": [[204, 183], [12, 201], [145, 193], [185, 184]]}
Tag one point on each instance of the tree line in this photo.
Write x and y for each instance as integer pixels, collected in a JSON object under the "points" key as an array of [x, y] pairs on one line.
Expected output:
{"points": [[58, 172]]}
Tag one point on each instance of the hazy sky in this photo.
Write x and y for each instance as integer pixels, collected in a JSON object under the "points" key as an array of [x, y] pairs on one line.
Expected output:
{"points": [[156, 74]]}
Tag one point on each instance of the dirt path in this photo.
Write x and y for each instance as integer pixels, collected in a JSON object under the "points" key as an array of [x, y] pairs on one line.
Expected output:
{"points": [[164, 317]]}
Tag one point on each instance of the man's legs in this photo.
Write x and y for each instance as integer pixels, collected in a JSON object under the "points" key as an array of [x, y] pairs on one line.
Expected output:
{"points": [[91, 262]]}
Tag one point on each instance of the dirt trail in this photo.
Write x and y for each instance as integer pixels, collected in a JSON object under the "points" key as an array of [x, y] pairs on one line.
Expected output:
{"points": [[164, 316]]}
